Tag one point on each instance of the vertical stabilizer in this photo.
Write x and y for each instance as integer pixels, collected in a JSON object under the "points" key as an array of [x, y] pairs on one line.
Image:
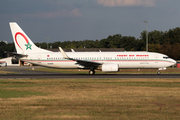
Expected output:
{"points": [[22, 42]]}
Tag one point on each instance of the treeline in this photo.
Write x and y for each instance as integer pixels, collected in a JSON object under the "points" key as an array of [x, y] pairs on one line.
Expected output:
{"points": [[6, 48], [167, 42]]}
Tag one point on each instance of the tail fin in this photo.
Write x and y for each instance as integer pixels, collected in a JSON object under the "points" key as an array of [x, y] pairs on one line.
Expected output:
{"points": [[22, 42]]}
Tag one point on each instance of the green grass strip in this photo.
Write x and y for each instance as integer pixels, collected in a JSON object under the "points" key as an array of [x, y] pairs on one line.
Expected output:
{"points": [[14, 94]]}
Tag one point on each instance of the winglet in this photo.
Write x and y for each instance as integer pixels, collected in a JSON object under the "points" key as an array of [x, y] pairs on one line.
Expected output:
{"points": [[63, 53]]}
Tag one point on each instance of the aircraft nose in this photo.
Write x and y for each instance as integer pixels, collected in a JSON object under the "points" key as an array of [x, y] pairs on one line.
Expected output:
{"points": [[173, 62]]}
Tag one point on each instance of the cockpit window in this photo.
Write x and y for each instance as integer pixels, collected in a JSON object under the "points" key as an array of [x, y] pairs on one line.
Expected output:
{"points": [[166, 57]]}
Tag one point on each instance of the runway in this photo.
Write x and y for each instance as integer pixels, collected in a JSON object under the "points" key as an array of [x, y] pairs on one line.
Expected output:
{"points": [[89, 76], [22, 72]]}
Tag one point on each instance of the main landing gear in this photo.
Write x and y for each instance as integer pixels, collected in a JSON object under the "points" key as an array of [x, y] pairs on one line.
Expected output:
{"points": [[91, 72]]}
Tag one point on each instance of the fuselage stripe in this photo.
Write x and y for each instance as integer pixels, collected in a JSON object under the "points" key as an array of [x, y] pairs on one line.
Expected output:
{"points": [[97, 60]]}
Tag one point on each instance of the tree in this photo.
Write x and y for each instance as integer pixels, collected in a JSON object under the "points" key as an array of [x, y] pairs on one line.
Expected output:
{"points": [[166, 49], [175, 51], [155, 37], [154, 47], [172, 36]]}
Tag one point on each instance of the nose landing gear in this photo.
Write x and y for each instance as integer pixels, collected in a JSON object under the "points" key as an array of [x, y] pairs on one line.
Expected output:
{"points": [[158, 72]]}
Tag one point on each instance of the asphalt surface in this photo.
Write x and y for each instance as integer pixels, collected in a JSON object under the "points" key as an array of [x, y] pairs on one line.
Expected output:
{"points": [[22, 72]]}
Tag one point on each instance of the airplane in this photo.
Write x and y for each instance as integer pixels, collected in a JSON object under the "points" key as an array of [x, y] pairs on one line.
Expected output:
{"points": [[27, 51]]}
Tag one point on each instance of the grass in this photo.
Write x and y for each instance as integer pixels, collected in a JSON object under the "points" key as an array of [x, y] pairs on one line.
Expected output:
{"points": [[97, 99], [11, 89], [11, 93]]}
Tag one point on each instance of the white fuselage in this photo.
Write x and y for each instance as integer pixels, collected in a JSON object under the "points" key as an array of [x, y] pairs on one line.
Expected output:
{"points": [[123, 59], [27, 51]]}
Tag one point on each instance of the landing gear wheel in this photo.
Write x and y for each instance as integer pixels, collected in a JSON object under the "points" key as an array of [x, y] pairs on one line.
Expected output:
{"points": [[158, 72], [91, 72]]}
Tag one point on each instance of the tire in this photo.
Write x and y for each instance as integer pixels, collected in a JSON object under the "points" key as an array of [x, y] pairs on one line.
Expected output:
{"points": [[91, 72], [158, 72]]}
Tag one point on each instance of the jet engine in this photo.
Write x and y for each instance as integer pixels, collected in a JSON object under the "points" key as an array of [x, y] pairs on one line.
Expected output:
{"points": [[110, 68]]}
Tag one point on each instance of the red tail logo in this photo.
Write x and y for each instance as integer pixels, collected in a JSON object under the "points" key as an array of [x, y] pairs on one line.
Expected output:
{"points": [[25, 38]]}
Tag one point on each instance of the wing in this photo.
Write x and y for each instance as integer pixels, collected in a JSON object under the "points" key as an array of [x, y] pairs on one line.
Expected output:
{"points": [[85, 63]]}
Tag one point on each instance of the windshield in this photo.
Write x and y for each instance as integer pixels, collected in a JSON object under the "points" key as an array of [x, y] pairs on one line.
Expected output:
{"points": [[166, 57]]}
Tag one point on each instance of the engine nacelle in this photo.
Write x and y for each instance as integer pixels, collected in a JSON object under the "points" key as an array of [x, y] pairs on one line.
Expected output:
{"points": [[110, 68]]}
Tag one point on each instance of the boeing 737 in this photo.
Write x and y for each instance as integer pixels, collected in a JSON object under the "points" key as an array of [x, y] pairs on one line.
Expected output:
{"points": [[27, 51]]}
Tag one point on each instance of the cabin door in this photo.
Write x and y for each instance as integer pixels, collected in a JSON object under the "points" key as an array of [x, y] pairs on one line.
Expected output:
{"points": [[156, 58], [39, 58]]}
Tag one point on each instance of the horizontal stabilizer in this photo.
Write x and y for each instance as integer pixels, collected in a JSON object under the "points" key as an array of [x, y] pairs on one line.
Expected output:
{"points": [[19, 55]]}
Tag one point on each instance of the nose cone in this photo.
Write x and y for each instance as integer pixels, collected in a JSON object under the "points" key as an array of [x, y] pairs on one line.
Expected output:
{"points": [[173, 62]]}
